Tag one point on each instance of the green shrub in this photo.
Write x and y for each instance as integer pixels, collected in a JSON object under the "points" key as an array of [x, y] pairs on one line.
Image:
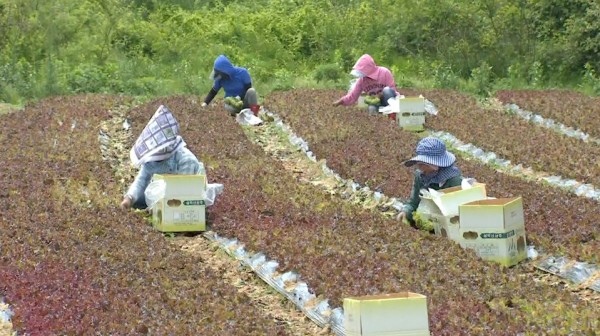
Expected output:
{"points": [[327, 72], [445, 77], [536, 74], [590, 82], [481, 78], [283, 80], [86, 78], [10, 95]]}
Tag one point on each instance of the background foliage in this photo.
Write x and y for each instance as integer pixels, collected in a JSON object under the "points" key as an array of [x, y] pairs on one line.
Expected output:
{"points": [[150, 47]]}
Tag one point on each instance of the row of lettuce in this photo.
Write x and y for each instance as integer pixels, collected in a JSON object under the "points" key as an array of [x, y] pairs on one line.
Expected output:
{"points": [[517, 139], [571, 108]]}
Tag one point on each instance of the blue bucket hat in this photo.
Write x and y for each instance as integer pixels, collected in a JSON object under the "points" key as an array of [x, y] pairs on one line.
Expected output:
{"points": [[432, 151]]}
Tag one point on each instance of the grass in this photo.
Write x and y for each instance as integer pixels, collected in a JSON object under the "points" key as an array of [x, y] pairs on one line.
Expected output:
{"points": [[7, 108]]}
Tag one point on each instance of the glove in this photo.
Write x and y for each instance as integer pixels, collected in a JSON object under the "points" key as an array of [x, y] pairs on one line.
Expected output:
{"points": [[203, 104], [401, 216], [126, 203]]}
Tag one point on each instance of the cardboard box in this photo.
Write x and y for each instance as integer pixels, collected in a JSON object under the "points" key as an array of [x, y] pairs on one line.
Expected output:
{"points": [[500, 213], [183, 207], [444, 212], [411, 115], [411, 104], [446, 226], [389, 314], [495, 229]]}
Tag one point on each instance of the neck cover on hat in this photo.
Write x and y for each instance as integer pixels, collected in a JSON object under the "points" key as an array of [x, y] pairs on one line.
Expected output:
{"points": [[159, 139], [441, 176]]}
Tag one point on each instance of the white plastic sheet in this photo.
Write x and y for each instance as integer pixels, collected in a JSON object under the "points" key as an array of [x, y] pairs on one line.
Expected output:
{"points": [[531, 252], [576, 187], [393, 105], [288, 284], [551, 124], [5, 312], [212, 191], [154, 192], [430, 107], [574, 271], [246, 117]]}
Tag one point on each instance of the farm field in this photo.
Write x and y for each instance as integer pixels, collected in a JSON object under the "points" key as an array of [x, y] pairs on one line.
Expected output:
{"points": [[62, 226], [72, 262], [570, 108], [514, 138], [370, 149]]}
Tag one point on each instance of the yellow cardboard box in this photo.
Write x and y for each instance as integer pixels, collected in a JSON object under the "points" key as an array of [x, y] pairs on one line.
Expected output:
{"points": [[399, 314], [443, 211], [411, 115], [444, 226], [495, 229], [183, 207]]}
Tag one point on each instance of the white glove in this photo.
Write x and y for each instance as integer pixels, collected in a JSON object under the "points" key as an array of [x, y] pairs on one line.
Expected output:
{"points": [[203, 104]]}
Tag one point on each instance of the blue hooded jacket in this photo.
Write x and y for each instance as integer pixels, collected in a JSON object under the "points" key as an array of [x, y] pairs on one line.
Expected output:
{"points": [[238, 79]]}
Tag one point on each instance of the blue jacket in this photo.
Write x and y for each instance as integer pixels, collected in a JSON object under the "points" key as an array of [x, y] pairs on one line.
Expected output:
{"points": [[238, 79]]}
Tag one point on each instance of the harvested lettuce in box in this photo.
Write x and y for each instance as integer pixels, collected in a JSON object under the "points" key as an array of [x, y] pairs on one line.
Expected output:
{"points": [[422, 222]]}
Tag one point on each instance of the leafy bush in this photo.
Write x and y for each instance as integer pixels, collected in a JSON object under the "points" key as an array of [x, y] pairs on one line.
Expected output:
{"points": [[86, 78], [535, 75], [283, 80], [590, 82], [327, 72], [9, 94], [15, 80], [456, 37], [482, 80], [443, 76]]}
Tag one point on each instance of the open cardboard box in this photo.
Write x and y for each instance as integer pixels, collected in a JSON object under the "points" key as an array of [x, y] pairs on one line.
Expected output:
{"points": [[402, 314], [443, 212], [443, 226], [495, 229], [183, 206]]}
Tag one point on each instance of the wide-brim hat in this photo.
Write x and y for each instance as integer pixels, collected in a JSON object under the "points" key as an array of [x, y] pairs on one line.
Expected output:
{"points": [[432, 151]]}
